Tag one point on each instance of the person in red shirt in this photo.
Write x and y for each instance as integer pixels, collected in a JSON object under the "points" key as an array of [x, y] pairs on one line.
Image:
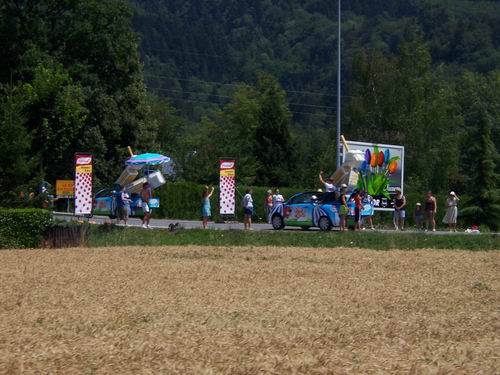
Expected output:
{"points": [[358, 207]]}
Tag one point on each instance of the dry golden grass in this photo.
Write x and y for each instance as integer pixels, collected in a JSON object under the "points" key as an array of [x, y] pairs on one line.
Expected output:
{"points": [[249, 311]]}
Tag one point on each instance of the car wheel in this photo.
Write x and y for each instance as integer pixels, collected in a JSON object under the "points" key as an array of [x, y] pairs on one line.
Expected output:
{"points": [[277, 222], [112, 215], [324, 224]]}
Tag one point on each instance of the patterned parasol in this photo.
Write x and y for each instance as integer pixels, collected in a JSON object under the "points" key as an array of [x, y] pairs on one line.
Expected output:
{"points": [[148, 159]]}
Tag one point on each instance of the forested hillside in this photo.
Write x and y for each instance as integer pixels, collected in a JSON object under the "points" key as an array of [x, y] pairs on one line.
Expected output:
{"points": [[185, 43], [253, 80], [411, 71]]}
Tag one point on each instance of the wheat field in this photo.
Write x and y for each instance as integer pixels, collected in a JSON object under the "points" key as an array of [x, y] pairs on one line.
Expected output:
{"points": [[205, 310]]}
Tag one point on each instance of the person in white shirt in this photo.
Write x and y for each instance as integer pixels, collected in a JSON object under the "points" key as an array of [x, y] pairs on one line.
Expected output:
{"points": [[328, 185], [248, 209], [277, 198]]}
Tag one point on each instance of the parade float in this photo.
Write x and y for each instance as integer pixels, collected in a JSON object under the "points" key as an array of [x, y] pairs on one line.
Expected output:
{"points": [[139, 169], [377, 169]]}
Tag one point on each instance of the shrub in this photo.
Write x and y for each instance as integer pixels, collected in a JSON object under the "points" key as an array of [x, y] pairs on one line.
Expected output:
{"points": [[23, 227], [182, 200]]}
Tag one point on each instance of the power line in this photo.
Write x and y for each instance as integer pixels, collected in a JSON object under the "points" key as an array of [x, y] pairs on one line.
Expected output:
{"points": [[216, 103], [237, 84], [229, 97]]}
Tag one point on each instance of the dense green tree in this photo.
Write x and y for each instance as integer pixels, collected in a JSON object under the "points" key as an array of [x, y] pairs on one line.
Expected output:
{"points": [[485, 205], [15, 166], [274, 149], [401, 100], [81, 63]]}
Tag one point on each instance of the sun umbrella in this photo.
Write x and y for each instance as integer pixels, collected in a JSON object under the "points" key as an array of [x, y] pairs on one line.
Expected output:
{"points": [[147, 159]]}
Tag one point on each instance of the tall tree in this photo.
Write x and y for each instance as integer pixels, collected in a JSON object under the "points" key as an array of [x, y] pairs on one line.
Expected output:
{"points": [[274, 149], [485, 205]]}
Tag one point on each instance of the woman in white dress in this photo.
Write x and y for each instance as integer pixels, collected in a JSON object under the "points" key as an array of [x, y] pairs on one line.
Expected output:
{"points": [[451, 212]]}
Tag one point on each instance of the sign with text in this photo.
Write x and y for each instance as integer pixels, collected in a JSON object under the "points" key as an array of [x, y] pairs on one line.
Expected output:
{"points": [[396, 174], [83, 184], [65, 188], [227, 183]]}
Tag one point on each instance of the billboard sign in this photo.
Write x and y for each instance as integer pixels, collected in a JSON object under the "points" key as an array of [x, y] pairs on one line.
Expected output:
{"points": [[227, 183], [395, 178], [65, 188], [83, 184]]}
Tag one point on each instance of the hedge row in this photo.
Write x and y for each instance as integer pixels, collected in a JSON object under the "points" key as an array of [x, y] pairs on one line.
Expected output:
{"points": [[182, 200], [21, 228]]}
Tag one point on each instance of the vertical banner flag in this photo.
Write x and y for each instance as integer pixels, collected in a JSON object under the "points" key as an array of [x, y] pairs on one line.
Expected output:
{"points": [[227, 187], [83, 184]]}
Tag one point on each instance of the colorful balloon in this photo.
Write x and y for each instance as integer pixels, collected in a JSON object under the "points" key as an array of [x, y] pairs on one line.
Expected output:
{"points": [[363, 167], [373, 160], [387, 155], [368, 155], [393, 167], [381, 159]]}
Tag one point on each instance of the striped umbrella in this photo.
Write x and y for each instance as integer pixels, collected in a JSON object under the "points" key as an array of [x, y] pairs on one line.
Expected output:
{"points": [[147, 159]]}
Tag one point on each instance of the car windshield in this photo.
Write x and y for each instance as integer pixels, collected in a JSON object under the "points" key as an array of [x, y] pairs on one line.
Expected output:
{"points": [[104, 193], [306, 198]]}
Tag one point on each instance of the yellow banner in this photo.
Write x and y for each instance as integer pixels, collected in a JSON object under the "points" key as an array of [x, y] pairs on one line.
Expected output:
{"points": [[65, 187], [84, 169], [227, 172]]}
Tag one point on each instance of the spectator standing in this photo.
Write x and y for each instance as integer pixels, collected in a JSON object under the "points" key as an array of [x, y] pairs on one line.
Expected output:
{"points": [[450, 217], [248, 209], [278, 198], [358, 207], [146, 195], [368, 199], [430, 211], [123, 206], [344, 210], [418, 216], [268, 204], [328, 185], [205, 205], [399, 210]]}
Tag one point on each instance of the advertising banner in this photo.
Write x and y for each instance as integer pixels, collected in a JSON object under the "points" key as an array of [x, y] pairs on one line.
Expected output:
{"points": [[65, 188], [83, 184], [227, 183], [387, 161]]}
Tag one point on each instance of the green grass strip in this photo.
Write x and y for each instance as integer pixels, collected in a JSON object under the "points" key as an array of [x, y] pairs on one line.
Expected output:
{"points": [[102, 236]]}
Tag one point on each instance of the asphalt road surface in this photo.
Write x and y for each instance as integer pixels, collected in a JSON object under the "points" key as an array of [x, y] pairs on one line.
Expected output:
{"points": [[193, 224]]}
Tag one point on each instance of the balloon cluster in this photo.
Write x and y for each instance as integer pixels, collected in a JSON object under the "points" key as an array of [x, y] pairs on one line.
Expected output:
{"points": [[375, 169]]}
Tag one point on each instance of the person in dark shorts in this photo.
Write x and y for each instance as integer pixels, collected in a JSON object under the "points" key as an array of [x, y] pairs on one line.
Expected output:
{"points": [[430, 211]]}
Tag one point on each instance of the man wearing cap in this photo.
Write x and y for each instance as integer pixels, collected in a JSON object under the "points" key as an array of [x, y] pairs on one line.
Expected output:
{"points": [[451, 212], [399, 210]]}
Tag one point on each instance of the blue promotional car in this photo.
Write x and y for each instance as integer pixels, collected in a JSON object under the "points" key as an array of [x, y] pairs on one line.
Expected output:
{"points": [[312, 209], [105, 204]]}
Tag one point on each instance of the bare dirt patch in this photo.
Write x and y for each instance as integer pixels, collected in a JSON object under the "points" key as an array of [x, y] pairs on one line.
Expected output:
{"points": [[249, 311]]}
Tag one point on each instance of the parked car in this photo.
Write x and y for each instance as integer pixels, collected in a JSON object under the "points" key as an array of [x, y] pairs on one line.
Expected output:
{"points": [[105, 204], [312, 209]]}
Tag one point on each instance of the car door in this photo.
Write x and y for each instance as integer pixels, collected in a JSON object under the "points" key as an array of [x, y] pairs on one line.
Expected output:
{"points": [[298, 211]]}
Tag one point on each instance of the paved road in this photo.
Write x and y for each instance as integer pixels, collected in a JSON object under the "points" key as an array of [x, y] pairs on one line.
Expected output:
{"points": [[164, 223], [192, 224]]}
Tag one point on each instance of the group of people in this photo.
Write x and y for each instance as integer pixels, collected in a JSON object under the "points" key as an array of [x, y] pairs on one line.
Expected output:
{"points": [[426, 216], [123, 202]]}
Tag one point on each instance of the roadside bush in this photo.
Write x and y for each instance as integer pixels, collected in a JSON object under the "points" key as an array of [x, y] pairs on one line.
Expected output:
{"points": [[21, 228], [182, 200]]}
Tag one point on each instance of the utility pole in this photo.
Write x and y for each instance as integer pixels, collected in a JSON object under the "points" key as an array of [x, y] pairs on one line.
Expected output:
{"points": [[338, 86]]}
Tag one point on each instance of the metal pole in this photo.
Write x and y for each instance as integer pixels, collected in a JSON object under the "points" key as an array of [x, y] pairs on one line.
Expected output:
{"points": [[338, 86]]}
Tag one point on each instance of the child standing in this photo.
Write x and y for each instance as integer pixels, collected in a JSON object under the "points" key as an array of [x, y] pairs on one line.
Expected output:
{"points": [[418, 216]]}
